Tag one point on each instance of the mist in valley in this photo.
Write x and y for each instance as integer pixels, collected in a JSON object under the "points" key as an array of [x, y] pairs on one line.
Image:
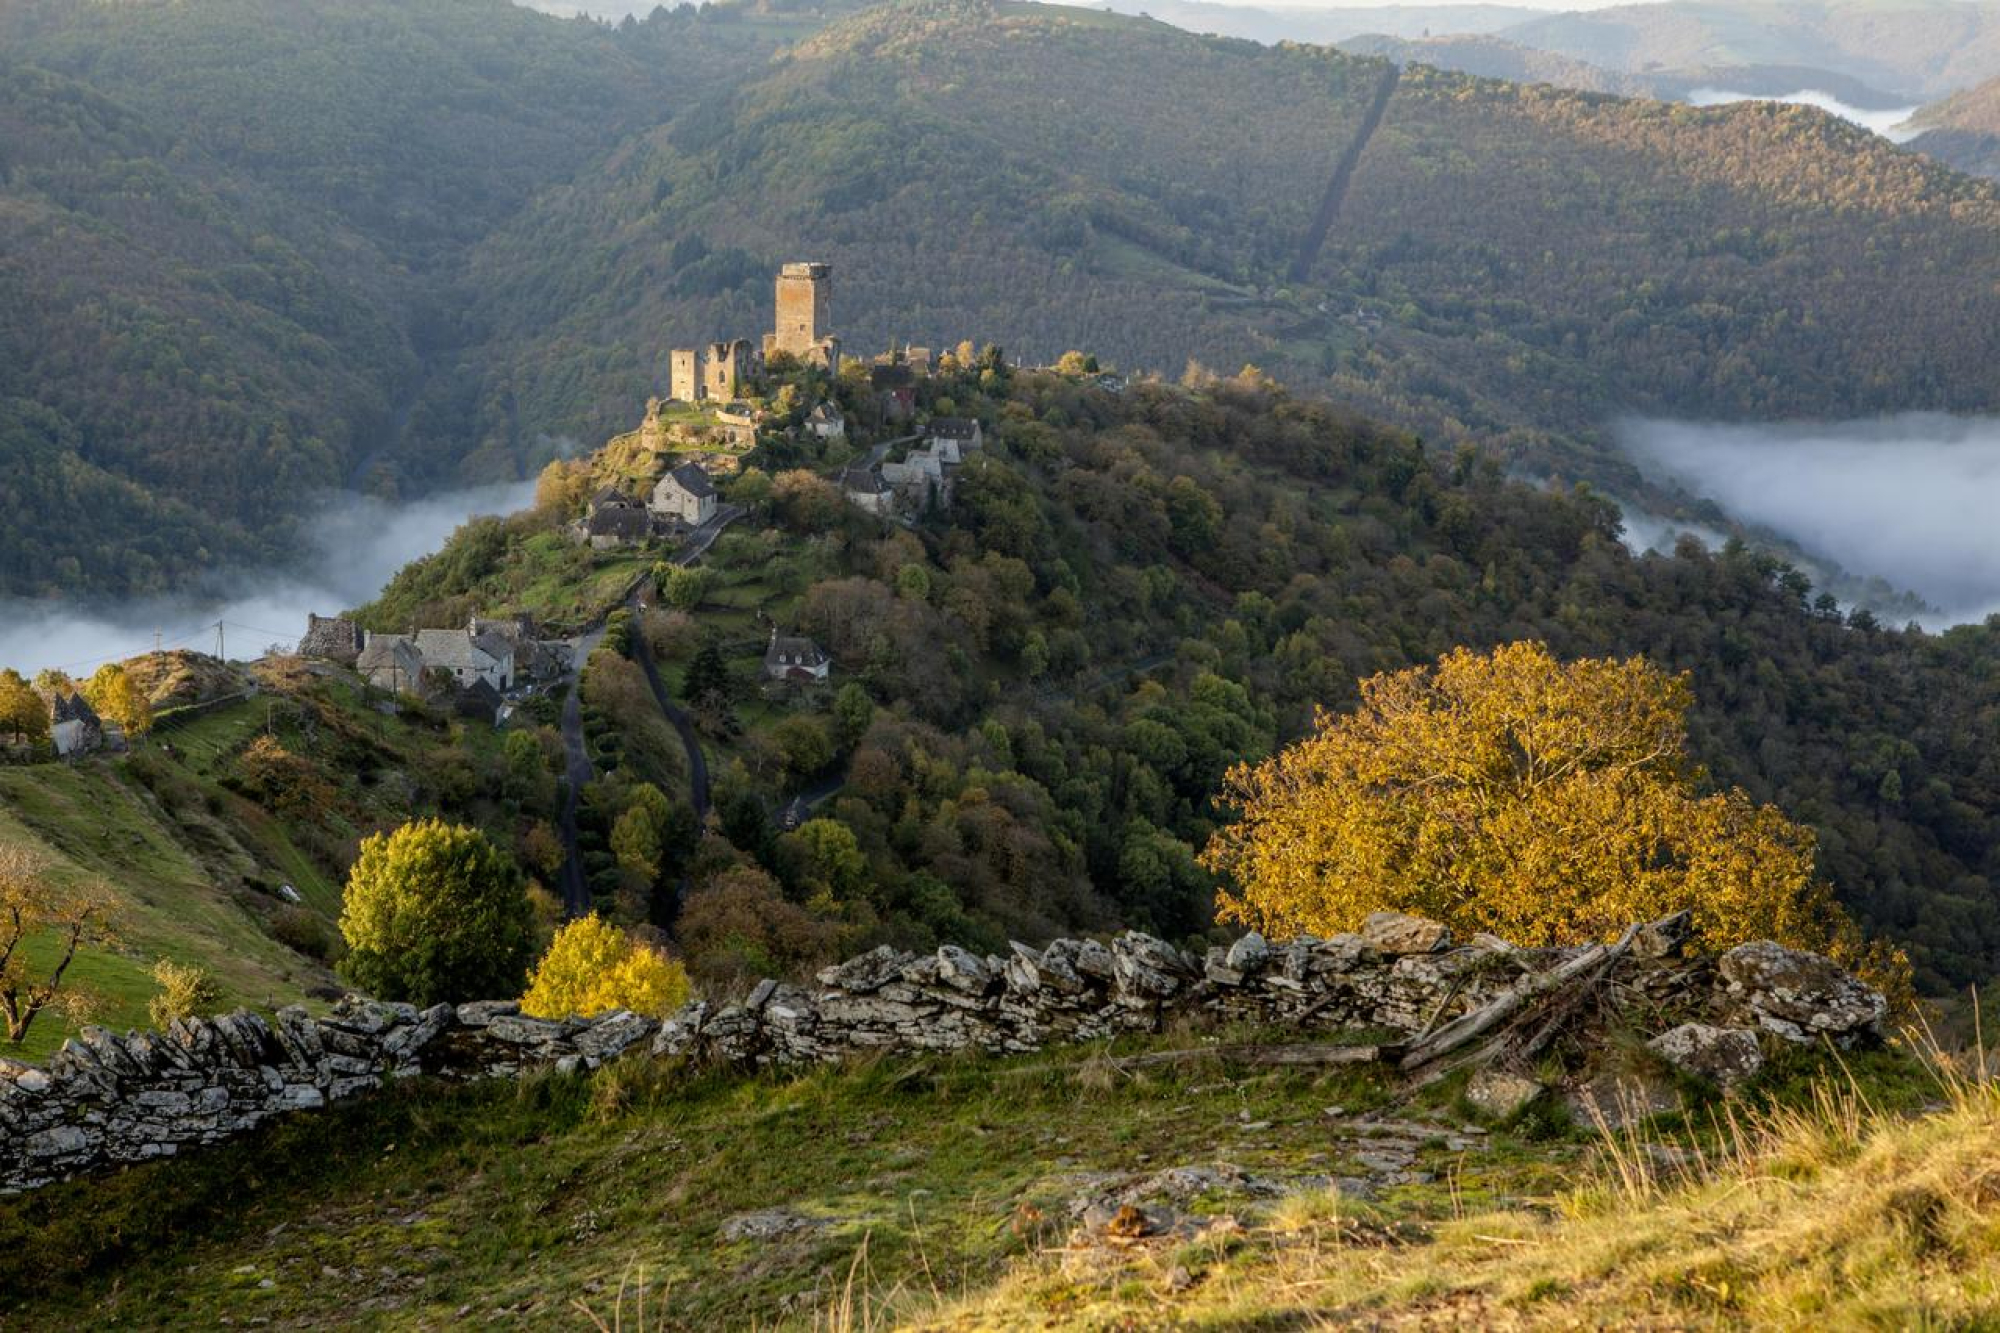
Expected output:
{"points": [[1911, 499], [355, 544], [1892, 124]]}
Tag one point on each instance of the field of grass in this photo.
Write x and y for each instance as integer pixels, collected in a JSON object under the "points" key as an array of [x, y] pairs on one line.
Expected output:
{"points": [[943, 1192], [170, 878]]}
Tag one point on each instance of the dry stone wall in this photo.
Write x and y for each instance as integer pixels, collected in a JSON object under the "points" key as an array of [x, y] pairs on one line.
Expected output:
{"points": [[105, 1100]]}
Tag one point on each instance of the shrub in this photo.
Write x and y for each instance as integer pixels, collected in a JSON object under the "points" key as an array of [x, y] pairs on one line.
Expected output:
{"points": [[592, 967], [434, 912], [186, 991]]}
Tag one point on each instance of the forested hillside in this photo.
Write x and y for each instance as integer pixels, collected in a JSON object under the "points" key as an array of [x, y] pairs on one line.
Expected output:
{"points": [[1963, 131], [1907, 46], [264, 252], [1037, 690], [230, 234], [1509, 262]]}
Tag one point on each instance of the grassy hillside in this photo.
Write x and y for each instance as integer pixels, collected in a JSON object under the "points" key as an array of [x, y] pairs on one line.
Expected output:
{"points": [[194, 833], [958, 1193]]}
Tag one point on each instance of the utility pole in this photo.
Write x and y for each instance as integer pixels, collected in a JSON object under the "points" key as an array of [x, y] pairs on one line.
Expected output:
{"points": [[221, 654]]}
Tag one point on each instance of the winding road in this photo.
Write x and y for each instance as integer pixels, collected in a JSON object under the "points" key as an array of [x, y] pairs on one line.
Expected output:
{"points": [[576, 755]]}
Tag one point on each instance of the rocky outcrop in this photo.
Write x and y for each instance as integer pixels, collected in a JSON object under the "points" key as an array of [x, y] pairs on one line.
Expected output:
{"points": [[105, 1099]]}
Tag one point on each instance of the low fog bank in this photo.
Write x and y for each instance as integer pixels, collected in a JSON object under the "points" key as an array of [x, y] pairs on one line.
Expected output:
{"points": [[356, 544], [1911, 499], [1891, 125]]}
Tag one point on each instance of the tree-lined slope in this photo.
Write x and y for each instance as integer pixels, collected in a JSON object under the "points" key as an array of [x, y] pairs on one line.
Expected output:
{"points": [[1507, 259]]}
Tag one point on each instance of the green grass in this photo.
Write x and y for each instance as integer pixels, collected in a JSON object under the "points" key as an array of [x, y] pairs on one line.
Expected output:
{"points": [[95, 826], [941, 1184], [120, 988]]}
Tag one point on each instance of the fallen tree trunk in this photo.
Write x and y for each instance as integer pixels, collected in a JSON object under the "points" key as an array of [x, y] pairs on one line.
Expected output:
{"points": [[1296, 1055], [1575, 973]]}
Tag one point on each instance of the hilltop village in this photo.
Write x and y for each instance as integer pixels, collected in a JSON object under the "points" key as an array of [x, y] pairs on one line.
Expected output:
{"points": [[794, 391]]}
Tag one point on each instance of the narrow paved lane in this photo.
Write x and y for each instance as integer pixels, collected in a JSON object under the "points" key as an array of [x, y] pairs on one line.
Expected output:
{"points": [[675, 714], [576, 897]]}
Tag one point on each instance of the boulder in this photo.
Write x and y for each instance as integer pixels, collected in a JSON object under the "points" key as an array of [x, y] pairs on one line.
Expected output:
{"points": [[870, 971], [1725, 1056], [1501, 1094], [1800, 996], [1396, 933]]}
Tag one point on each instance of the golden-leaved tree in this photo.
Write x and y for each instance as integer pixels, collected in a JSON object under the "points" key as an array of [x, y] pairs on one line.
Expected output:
{"points": [[1544, 801], [593, 967], [40, 915], [117, 698]]}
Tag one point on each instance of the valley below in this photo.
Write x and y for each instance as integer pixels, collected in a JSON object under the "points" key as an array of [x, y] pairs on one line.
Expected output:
{"points": [[1903, 504], [972, 664]]}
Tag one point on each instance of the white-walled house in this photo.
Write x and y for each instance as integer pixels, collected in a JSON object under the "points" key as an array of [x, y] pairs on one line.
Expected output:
{"points": [[685, 493]]}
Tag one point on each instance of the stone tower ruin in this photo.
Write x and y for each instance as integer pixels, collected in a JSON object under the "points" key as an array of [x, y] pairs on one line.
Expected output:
{"points": [[684, 375], [728, 369], [804, 315]]}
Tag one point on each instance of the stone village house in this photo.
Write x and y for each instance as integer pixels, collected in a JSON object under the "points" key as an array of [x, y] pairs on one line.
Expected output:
{"points": [[685, 493], [615, 519], [795, 659], [74, 726], [391, 662]]}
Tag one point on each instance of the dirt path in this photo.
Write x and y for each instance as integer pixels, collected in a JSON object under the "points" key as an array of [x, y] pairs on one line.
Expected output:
{"points": [[1343, 172]]}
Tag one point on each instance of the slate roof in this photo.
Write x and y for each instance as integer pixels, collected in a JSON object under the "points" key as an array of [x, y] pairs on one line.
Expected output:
{"points": [[618, 521], [73, 708], [953, 428], [690, 478], [610, 497], [458, 650], [863, 481], [386, 651], [794, 650]]}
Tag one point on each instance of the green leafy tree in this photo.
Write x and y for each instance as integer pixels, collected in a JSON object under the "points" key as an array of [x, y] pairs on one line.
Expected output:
{"points": [[434, 912], [853, 710], [684, 587]]}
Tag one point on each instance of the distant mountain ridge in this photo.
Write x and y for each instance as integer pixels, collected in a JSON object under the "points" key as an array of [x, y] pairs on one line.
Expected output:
{"points": [[1963, 131], [289, 247]]}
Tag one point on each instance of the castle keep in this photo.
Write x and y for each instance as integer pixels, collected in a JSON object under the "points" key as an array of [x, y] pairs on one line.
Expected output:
{"points": [[805, 299], [804, 313]]}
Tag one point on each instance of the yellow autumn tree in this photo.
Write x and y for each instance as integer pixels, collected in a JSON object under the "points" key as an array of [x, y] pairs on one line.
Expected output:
{"points": [[593, 967], [1546, 802], [118, 699]]}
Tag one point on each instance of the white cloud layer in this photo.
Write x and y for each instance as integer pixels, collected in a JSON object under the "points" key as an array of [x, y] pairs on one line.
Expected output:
{"points": [[357, 544], [1914, 499]]}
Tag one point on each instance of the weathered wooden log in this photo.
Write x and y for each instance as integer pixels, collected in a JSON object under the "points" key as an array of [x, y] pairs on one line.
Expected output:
{"points": [[1467, 1028]]}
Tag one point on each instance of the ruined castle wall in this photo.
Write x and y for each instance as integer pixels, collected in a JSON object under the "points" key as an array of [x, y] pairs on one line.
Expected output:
{"points": [[106, 1100]]}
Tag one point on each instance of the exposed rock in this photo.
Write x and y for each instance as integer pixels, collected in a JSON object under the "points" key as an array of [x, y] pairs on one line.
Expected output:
{"points": [[1500, 1094], [1396, 933], [1800, 996], [769, 1224], [1615, 1101], [1726, 1056]]}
